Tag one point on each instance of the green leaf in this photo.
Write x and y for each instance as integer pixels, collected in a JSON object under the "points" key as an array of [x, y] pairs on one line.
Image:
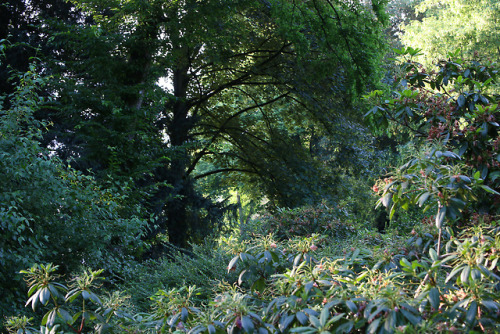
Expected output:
{"points": [[411, 317], [470, 317], [488, 189], [440, 217], [247, 324], [285, 322], [315, 321], [345, 328], [423, 198], [434, 297], [475, 274], [335, 319], [386, 200], [65, 315], [240, 277], [372, 328], [461, 101], [390, 322], [44, 295], [351, 306], [405, 263], [464, 277], [491, 305], [301, 317], [232, 263], [453, 273], [304, 330], [433, 254], [259, 285], [325, 314], [487, 272]]}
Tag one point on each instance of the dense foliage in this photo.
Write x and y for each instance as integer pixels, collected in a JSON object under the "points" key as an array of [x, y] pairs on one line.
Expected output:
{"points": [[196, 166], [466, 26], [455, 110], [287, 287], [50, 211]]}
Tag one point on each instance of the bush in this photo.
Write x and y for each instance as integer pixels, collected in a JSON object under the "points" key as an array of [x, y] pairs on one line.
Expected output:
{"points": [[48, 210], [202, 266], [421, 292], [306, 221]]}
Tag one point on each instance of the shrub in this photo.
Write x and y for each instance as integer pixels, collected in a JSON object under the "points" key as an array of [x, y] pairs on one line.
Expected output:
{"points": [[306, 221], [50, 211], [455, 293]]}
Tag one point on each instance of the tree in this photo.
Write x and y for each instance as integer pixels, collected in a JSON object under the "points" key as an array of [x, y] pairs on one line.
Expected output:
{"points": [[49, 211], [22, 24], [469, 26], [233, 68]]}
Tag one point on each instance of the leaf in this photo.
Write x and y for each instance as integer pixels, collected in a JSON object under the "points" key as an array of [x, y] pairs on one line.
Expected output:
{"points": [[464, 277], [323, 318], [488, 273], [351, 306], [301, 317], [285, 321], [297, 259], [65, 315], [232, 263], [211, 329], [433, 254], [305, 330], [184, 314], [259, 285], [470, 317], [33, 300], [452, 273], [440, 217], [423, 198], [411, 317], [434, 298], [372, 328], [172, 321], [247, 324], [488, 189], [345, 328], [240, 277], [44, 295], [335, 319], [315, 321], [390, 322], [386, 200], [491, 305], [461, 101]]}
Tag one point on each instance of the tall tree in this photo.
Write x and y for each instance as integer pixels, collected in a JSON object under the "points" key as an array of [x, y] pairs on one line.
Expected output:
{"points": [[445, 26], [234, 69]]}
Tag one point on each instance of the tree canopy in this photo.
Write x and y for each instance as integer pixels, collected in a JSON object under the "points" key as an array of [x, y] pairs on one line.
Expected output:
{"points": [[150, 90], [446, 26]]}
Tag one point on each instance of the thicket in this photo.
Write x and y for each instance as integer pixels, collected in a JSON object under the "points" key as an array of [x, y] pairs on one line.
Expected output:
{"points": [[320, 268], [50, 211]]}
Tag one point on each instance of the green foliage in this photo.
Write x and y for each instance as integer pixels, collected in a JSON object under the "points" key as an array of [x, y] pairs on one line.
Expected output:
{"points": [[49, 211], [242, 80], [306, 221], [469, 26], [200, 267], [74, 307], [355, 292], [455, 109]]}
